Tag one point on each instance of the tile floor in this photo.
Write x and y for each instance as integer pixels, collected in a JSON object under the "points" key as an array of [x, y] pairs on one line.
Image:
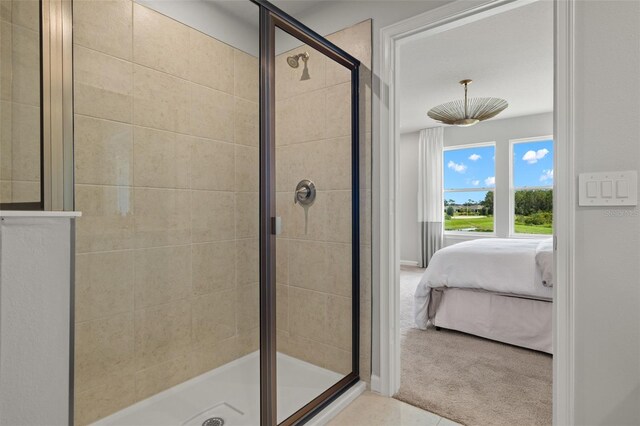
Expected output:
{"points": [[374, 410]]}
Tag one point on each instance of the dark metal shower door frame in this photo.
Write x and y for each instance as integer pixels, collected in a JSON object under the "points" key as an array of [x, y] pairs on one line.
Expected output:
{"points": [[271, 18]]}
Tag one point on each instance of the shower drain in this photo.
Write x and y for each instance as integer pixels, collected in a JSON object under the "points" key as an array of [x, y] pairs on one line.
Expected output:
{"points": [[213, 421]]}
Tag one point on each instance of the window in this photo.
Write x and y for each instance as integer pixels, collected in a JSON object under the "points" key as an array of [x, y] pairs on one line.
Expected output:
{"points": [[469, 183], [532, 186]]}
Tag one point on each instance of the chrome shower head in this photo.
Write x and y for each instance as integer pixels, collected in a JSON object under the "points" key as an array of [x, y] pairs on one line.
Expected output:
{"points": [[294, 62]]}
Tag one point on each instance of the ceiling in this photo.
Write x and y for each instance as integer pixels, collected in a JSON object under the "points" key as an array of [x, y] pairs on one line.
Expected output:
{"points": [[509, 56], [236, 22], [245, 11], [297, 8]]}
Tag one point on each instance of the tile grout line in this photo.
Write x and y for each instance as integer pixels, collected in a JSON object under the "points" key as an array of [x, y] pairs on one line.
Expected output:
{"points": [[133, 173]]}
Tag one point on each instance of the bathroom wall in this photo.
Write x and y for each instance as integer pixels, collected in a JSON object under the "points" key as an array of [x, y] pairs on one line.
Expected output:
{"points": [[313, 139], [606, 372], [19, 101], [166, 145]]}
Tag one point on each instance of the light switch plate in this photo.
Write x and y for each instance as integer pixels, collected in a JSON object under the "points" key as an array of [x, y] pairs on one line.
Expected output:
{"points": [[608, 188]]}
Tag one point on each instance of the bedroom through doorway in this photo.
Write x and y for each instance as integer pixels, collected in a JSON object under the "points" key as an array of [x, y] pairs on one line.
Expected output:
{"points": [[475, 193]]}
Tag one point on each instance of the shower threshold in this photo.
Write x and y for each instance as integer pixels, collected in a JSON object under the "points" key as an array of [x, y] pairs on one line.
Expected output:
{"points": [[230, 392]]}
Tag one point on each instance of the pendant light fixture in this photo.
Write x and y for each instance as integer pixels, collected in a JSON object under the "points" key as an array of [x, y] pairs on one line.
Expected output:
{"points": [[467, 112]]}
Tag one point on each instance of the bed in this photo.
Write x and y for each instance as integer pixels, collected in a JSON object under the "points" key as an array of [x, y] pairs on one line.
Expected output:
{"points": [[499, 289]]}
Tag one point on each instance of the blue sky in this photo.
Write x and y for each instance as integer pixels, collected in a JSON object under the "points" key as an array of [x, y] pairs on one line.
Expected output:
{"points": [[475, 168], [533, 163]]}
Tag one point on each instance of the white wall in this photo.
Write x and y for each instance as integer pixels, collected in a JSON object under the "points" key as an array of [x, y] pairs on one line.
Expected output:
{"points": [[607, 249], [408, 198], [498, 131], [35, 320]]}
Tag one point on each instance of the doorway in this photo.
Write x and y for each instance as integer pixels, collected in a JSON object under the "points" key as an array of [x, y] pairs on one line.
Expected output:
{"points": [[394, 38]]}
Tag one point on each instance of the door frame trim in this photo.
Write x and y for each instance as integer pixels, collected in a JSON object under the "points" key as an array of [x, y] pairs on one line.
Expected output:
{"points": [[268, 341], [386, 380]]}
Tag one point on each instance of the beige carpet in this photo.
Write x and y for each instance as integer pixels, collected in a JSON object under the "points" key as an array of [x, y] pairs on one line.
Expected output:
{"points": [[468, 379]]}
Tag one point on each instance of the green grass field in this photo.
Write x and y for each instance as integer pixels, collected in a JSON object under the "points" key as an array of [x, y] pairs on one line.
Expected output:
{"points": [[485, 224], [533, 229], [481, 224]]}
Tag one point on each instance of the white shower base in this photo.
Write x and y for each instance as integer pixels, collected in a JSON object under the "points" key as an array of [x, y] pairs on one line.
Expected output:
{"points": [[231, 392]]}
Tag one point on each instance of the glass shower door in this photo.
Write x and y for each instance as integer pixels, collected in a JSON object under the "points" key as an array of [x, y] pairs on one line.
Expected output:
{"points": [[313, 90]]}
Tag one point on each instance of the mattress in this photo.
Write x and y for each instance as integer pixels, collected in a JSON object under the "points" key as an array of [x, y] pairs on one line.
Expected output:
{"points": [[500, 266], [525, 322]]}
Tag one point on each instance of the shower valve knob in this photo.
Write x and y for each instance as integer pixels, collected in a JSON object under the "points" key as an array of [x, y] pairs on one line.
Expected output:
{"points": [[301, 194], [305, 193]]}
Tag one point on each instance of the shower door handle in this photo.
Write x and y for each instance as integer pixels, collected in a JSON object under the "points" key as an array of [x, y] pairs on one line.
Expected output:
{"points": [[276, 225]]}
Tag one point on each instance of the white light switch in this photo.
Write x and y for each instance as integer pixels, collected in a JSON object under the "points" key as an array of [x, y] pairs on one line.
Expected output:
{"points": [[608, 188], [622, 189]]}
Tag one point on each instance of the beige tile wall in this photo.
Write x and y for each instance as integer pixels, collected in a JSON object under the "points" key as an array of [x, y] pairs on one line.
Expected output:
{"points": [[166, 141], [19, 101], [166, 145], [313, 138]]}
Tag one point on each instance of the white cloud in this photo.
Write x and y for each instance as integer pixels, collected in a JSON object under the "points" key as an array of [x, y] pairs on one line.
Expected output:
{"points": [[460, 168], [490, 181], [474, 157], [532, 157], [547, 174], [475, 182]]}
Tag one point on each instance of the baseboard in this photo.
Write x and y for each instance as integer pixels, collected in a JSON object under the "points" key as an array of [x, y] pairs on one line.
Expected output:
{"points": [[333, 409], [408, 263], [375, 383]]}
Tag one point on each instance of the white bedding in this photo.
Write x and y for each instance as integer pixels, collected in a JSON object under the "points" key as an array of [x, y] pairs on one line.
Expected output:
{"points": [[505, 266], [544, 261]]}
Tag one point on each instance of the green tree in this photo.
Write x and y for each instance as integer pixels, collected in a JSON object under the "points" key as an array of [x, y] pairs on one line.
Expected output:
{"points": [[450, 210], [487, 203], [468, 205], [528, 202]]}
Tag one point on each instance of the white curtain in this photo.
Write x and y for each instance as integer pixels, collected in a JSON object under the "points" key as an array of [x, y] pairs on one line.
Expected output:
{"points": [[430, 202]]}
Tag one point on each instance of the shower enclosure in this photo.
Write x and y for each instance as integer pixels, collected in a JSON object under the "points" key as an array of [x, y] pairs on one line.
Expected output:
{"points": [[220, 154]]}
